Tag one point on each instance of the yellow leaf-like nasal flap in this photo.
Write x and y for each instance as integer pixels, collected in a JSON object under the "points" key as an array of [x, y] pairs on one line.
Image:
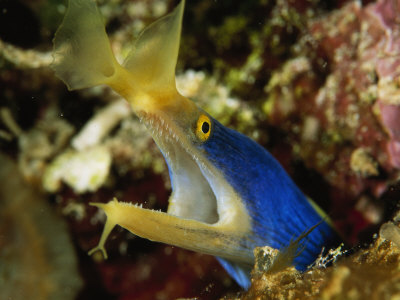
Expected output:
{"points": [[83, 58], [153, 59], [82, 52]]}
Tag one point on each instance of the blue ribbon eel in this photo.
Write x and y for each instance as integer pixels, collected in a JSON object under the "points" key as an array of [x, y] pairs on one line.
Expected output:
{"points": [[229, 195]]}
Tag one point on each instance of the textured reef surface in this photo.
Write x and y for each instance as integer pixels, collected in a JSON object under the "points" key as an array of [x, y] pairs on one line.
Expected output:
{"points": [[315, 82], [371, 273]]}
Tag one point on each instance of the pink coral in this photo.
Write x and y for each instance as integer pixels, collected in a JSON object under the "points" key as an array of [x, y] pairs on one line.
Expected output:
{"points": [[351, 94], [387, 65]]}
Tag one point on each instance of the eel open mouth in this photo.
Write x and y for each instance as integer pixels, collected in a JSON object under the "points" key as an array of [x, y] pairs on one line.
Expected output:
{"points": [[193, 194], [205, 214]]}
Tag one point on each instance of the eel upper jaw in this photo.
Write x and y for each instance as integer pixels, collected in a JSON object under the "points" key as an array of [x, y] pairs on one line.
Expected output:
{"points": [[199, 192]]}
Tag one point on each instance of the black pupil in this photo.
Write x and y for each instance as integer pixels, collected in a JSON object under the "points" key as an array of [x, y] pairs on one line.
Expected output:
{"points": [[205, 127]]}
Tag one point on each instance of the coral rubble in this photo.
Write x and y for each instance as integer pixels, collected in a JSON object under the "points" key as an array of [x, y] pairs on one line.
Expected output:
{"points": [[370, 273]]}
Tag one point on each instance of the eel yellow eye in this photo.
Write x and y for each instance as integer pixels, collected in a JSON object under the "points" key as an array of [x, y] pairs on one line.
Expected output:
{"points": [[203, 128]]}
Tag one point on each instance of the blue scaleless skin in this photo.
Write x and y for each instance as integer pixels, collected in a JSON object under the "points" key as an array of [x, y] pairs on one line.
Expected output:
{"points": [[229, 195]]}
